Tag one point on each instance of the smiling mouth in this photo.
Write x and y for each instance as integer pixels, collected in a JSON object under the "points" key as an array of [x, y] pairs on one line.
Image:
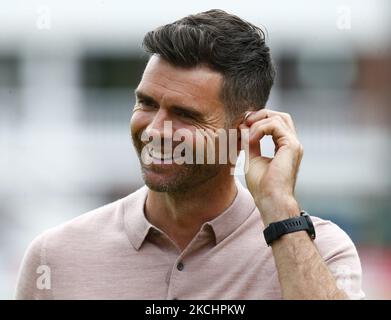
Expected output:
{"points": [[158, 156]]}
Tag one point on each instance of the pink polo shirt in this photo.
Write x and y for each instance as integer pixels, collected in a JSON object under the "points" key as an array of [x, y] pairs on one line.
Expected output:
{"points": [[113, 252]]}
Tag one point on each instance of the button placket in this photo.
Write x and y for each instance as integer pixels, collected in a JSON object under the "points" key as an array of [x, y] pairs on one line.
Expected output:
{"points": [[177, 277]]}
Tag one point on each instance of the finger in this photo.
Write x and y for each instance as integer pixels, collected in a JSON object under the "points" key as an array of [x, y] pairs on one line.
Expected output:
{"points": [[256, 150], [254, 116], [280, 133], [273, 126]]}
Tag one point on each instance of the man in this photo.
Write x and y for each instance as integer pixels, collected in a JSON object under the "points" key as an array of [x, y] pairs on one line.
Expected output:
{"points": [[193, 232]]}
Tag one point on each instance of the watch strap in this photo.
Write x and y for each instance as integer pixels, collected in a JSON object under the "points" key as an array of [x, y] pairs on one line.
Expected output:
{"points": [[276, 229]]}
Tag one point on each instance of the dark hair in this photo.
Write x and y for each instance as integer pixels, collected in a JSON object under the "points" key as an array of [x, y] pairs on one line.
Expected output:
{"points": [[225, 43]]}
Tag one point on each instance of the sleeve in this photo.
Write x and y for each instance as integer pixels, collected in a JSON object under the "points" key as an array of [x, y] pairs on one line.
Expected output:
{"points": [[340, 255], [34, 277]]}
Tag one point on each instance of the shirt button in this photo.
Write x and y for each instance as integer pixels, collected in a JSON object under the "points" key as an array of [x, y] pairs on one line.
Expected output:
{"points": [[180, 266]]}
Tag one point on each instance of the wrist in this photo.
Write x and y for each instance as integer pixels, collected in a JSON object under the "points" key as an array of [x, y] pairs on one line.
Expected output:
{"points": [[274, 209], [282, 229]]}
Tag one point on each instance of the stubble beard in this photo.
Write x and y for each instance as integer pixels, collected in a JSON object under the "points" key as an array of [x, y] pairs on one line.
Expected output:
{"points": [[177, 178]]}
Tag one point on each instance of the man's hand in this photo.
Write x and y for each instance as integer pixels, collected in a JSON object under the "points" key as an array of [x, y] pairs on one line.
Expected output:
{"points": [[301, 270], [272, 181]]}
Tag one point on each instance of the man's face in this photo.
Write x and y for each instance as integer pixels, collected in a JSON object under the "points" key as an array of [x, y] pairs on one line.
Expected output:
{"points": [[189, 99]]}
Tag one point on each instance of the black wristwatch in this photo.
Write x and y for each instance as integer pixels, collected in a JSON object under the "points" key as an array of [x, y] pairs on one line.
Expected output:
{"points": [[276, 229]]}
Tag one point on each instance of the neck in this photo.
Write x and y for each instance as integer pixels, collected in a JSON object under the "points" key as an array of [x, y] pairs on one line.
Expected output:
{"points": [[181, 215]]}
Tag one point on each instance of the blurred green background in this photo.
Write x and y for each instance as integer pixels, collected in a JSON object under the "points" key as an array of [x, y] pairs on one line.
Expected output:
{"points": [[67, 74]]}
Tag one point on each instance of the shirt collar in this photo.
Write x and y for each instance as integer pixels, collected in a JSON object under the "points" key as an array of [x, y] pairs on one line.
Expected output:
{"points": [[135, 223], [137, 226], [232, 217]]}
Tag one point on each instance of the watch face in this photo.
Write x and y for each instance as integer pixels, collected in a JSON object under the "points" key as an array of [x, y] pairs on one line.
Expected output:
{"points": [[311, 230]]}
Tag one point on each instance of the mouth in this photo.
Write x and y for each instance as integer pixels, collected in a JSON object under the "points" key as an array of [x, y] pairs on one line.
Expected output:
{"points": [[160, 157]]}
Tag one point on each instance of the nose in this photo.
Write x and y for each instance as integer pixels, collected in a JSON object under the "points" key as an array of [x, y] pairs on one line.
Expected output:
{"points": [[161, 126]]}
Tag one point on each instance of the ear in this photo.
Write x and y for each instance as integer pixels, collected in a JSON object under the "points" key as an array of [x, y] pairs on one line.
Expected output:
{"points": [[239, 141]]}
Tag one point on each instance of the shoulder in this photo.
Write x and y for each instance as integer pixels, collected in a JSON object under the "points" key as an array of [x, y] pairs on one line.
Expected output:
{"points": [[85, 237], [93, 225], [83, 226]]}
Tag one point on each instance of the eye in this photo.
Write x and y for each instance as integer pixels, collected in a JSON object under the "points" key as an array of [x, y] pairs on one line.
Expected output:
{"points": [[184, 114], [147, 105]]}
